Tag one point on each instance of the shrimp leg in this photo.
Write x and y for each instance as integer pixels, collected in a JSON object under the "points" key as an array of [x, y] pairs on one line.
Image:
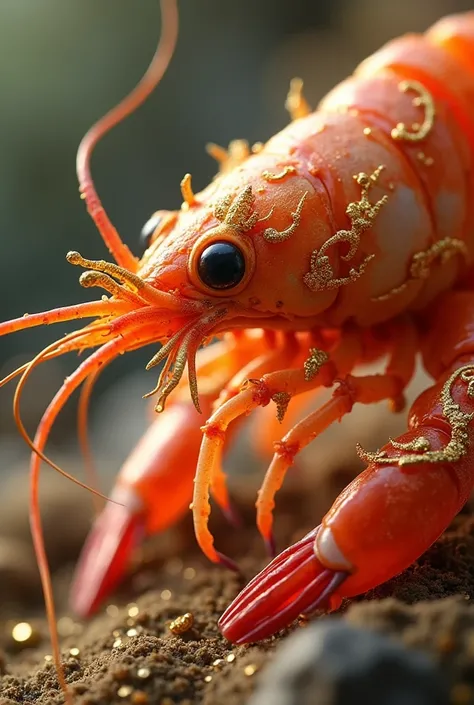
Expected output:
{"points": [[154, 486]]}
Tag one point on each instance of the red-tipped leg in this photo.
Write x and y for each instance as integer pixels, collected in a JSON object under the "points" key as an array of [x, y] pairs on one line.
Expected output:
{"points": [[105, 556], [294, 583]]}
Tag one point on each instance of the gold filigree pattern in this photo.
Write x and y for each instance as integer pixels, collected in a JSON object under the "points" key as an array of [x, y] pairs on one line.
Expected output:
{"points": [[420, 266], [269, 176], [317, 358], [425, 100], [273, 235], [419, 450], [238, 212], [362, 214]]}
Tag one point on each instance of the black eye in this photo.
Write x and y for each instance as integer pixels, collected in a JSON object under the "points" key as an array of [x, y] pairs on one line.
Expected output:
{"points": [[221, 265], [147, 231]]}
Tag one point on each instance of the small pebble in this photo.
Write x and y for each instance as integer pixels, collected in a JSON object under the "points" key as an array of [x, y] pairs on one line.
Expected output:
{"points": [[334, 663], [182, 624]]}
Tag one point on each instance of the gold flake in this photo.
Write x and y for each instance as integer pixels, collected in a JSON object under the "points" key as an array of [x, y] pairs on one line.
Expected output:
{"points": [[269, 176], [281, 399], [312, 365], [182, 623]]}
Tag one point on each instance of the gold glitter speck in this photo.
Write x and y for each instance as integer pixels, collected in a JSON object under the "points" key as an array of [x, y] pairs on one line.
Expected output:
{"points": [[230, 658], [74, 651], [112, 610], [367, 131], [143, 672], [132, 632], [22, 631], [117, 643], [250, 669], [133, 610], [124, 691], [165, 595], [208, 679], [189, 573]]}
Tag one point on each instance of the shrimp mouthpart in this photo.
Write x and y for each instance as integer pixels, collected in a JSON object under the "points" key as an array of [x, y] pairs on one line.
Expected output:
{"points": [[295, 583]]}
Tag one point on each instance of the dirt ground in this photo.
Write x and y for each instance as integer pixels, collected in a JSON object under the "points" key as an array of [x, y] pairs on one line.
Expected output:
{"points": [[127, 653]]}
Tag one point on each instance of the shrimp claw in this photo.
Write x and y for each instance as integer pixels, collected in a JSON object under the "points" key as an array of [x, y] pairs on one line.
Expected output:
{"points": [[106, 555], [295, 583]]}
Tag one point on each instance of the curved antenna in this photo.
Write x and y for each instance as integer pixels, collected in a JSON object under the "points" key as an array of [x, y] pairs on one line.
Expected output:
{"points": [[159, 63]]}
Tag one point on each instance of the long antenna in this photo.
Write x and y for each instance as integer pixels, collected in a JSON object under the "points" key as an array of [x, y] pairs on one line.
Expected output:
{"points": [[159, 63]]}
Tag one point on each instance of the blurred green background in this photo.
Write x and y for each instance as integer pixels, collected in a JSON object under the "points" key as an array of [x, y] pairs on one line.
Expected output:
{"points": [[64, 64]]}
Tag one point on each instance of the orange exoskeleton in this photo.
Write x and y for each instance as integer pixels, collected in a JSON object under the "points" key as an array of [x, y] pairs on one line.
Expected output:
{"points": [[346, 238]]}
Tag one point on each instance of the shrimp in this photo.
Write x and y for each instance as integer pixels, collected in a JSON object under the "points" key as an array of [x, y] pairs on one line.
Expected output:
{"points": [[347, 238]]}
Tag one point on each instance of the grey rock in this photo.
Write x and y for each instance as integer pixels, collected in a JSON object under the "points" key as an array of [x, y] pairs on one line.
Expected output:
{"points": [[333, 663]]}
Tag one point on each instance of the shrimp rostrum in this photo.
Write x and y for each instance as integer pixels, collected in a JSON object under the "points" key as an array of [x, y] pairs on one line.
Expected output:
{"points": [[347, 238]]}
